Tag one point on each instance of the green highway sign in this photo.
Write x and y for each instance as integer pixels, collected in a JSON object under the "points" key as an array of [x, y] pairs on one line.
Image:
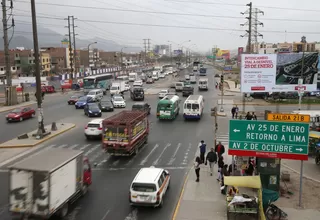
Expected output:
{"points": [[287, 140]]}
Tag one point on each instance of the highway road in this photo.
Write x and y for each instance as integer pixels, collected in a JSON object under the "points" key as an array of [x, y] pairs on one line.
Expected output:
{"points": [[172, 145]]}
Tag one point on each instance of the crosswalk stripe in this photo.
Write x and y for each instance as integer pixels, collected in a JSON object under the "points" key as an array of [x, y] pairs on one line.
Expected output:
{"points": [[92, 149], [173, 158], [134, 158], [160, 155], [62, 146], [103, 161], [94, 157], [51, 146], [147, 157], [84, 146], [73, 146], [186, 155]]}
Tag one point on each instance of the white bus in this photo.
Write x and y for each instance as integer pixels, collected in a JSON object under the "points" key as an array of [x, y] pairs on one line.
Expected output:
{"points": [[102, 81], [193, 107]]}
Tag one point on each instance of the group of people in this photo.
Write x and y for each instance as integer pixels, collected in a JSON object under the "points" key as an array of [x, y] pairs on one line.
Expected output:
{"points": [[249, 116]]}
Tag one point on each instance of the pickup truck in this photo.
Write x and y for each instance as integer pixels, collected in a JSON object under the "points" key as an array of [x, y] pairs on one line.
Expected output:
{"points": [[47, 183], [125, 133]]}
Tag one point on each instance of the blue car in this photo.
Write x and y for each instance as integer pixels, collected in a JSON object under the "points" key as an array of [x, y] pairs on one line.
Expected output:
{"points": [[92, 110], [82, 101]]}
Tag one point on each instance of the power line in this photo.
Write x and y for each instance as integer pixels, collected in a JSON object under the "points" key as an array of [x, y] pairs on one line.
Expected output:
{"points": [[166, 13]]}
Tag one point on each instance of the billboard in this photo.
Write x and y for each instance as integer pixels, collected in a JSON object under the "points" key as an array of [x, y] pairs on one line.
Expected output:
{"points": [[225, 54], [240, 51], [278, 72], [177, 52]]}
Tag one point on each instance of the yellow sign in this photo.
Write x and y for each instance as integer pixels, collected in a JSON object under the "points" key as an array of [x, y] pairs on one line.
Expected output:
{"points": [[288, 117]]}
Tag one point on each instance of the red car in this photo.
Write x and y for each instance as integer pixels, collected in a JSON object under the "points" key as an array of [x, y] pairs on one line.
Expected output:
{"points": [[48, 89], [20, 114], [73, 99]]}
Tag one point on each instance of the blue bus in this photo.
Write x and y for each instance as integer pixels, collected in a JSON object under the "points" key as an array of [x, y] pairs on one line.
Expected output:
{"points": [[102, 81], [203, 71]]}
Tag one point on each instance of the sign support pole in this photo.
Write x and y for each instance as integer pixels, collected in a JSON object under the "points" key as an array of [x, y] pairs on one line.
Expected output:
{"points": [[300, 189]]}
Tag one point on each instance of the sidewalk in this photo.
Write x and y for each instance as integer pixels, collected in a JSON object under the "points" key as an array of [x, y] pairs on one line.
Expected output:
{"points": [[232, 87]]}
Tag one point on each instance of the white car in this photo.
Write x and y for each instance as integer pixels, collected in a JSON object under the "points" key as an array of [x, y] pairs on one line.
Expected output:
{"points": [[138, 83], [163, 93], [118, 102], [127, 87], [93, 129], [162, 76]]}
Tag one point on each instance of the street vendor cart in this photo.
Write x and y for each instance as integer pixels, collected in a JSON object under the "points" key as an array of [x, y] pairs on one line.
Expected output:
{"points": [[246, 203], [314, 145]]}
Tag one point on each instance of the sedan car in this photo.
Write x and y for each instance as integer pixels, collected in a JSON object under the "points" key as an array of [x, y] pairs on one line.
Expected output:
{"points": [[73, 99], [118, 102], [150, 80], [138, 83], [82, 101], [163, 93], [106, 106], [20, 114], [92, 109]]}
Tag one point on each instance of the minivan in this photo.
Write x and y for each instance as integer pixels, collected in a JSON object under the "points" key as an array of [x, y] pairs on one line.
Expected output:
{"points": [[95, 94], [179, 86]]}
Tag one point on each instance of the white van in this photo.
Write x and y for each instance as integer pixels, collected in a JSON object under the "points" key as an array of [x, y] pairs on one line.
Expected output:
{"points": [[193, 107], [133, 77], [203, 84], [179, 86], [149, 187], [155, 75], [95, 94]]}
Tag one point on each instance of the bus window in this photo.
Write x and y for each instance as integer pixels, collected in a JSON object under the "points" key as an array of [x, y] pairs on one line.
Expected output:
{"points": [[89, 83], [188, 106], [195, 106]]}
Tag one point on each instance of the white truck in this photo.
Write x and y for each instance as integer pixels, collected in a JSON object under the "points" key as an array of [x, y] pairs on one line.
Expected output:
{"points": [[118, 87], [46, 183], [155, 75], [193, 79], [203, 84], [133, 77]]}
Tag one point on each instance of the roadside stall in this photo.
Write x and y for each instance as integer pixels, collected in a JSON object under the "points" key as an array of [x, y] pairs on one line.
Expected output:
{"points": [[244, 198], [314, 145]]}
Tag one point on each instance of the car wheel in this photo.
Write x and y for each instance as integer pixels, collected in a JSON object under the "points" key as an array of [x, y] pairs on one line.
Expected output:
{"points": [[64, 211], [20, 119], [33, 115], [161, 203]]}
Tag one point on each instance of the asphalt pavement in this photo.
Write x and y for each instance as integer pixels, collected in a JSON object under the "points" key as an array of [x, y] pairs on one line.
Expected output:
{"points": [[172, 145]]}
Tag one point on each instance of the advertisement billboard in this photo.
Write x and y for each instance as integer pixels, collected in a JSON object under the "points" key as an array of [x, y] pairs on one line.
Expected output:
{"points": [[225, 54], [177, 52], [278, 72], [240, 51]]}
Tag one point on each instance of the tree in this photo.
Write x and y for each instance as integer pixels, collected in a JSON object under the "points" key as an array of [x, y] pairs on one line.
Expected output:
{"points": [[29, 70]]}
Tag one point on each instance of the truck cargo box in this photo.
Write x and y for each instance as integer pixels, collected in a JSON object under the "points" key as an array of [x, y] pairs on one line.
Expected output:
{"points": [[123, 131], [42, 183]]}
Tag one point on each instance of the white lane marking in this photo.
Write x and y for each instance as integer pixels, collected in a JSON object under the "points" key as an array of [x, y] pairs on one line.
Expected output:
{"points": [[158, 159], [105, 215], [50, 146], [133, 215], [92, 149], [73, 146], [133, 158], [137, 168], [173, 158], [62, 146], [147, 157], [103, 161], [186, 155], [115, 163], [84, 146], [94, 157]]}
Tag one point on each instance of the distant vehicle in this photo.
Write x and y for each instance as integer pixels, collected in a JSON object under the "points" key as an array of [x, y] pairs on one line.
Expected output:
{"points": [[138, 83], [150, 80], [95, 94], [123, 78], [52, 178], [92, 110], [137, 93], [203, 84], [163, 93], [93, 129], [187, 77], [193, 107], [128, 129], [195, 68], [203, 71], [133, 77], [179, 86], [118, 87], [127, 87], [73, 99], [155, 75], [193, 79], [143, 78], [162, 76], [20, 114], [102, 81], [187, 90], [173, 85], [141, 106], [106, 106], [118, 102], [82, 101], [168, 107]]}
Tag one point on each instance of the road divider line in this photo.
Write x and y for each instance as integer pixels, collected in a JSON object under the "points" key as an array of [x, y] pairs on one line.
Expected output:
{"points": [[147, 157], [133, 215], [115, 163], [85, 146], [62, 146], [92, 149], [103, 161], [160, 155], [186, 155], [94, 157], [105, 215], [73, 146], [173, 158]]}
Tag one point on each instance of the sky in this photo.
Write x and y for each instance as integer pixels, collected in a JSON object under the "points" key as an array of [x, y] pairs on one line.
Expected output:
{"points": [[195, 24]]}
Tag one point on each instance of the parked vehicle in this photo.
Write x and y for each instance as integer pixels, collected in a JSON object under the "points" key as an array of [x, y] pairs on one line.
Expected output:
{"points": [[118, 87], [133, 77], [92, 110], [163, 93], [137, 93], [203, 84], [187, 77], [50, 180], [193, 107], [149, 187], [73, 99], [95, 94], [20, 114], [141, 106], [168, 107], [125, 133], [106, 106], [48, 89], [82, 101], [187, 90], [93, 129]]}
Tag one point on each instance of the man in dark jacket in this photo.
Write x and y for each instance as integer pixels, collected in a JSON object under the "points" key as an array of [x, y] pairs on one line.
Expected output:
{"points": [[202, 147], [219, 149], [212, 159]]}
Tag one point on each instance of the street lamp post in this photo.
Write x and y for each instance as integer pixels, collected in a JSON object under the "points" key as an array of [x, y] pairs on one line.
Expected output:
{"points": [[121, 55], [89, 52]]}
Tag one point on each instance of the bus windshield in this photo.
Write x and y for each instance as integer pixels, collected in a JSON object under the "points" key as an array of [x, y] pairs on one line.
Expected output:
{"points": [[165, 106], [88, 83]]}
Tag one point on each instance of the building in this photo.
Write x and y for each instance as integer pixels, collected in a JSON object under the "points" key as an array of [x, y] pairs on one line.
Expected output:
{"points": [[14, 68], [59, 58], [285, 47], [162, 50], [45, 60]]}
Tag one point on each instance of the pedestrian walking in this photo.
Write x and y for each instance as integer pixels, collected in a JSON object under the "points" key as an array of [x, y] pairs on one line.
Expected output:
{"points": [[212, 159], [219, 149], [248, 116], [233, 112], [197, 168], [237, 111], [254, 117], [220, 166], [202, 147]]}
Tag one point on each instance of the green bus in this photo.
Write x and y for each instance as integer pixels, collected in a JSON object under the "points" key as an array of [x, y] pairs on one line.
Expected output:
{"points": [[168, 107]]}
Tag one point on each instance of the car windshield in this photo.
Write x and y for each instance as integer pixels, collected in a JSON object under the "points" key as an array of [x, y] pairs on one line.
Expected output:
{"points": [[144, 187], [93, 107], [17, 110], [84, 98], [138, 90], [105, 103], [91, 93], [163, 91], [118, 99]]}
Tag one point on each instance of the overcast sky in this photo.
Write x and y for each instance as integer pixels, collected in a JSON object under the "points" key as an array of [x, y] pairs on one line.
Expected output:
{"points": [[203, 30]]}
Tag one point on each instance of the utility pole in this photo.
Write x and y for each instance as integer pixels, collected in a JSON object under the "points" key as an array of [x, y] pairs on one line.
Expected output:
{"points": [[255, 31], [41, 131], [75, 56], [71, 53], [249, 44], [148, 50], [145, 50], [170, 48], [8, 92]]}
